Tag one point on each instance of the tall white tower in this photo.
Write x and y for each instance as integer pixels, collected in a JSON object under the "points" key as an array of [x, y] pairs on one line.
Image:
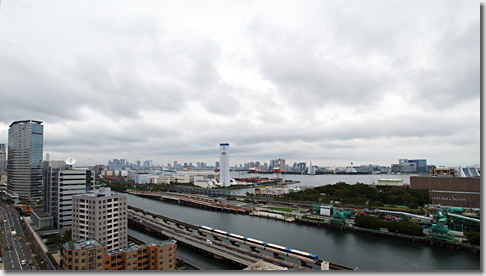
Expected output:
{"points": [[224, 164]]}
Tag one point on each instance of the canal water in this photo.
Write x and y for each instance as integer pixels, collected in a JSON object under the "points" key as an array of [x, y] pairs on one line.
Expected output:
{"points": [[365, 251]]}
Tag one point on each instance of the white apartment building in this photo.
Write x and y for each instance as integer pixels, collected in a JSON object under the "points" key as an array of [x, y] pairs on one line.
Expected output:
{"points": [[167, 179], [60, 183], [101, 215]]}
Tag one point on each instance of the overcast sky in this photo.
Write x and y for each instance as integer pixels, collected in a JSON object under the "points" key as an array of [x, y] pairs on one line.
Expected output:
{"points": [[332, 82]]}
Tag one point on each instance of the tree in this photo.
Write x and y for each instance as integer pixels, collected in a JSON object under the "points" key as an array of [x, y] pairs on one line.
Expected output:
{"points": [[407, 198], [413, 205], [473, 237], [55, 240], [181, 263], [67, 236]]}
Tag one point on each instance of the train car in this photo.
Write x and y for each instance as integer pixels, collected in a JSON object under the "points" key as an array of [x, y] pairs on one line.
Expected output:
{"points": [[237, 238], [305, 256], [277, 248], [296, 254], [206, 229], [256, 243], [292, 253]]}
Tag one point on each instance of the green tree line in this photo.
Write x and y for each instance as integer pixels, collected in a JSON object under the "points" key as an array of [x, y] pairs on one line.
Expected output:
{"points": [[404, 226], [361, 193]]}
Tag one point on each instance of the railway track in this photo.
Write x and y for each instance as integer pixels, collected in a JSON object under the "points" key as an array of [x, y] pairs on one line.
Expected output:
{"points": [[222, 249]]}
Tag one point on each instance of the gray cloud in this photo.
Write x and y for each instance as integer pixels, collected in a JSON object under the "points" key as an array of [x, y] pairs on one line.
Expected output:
{"points": [[328, 81]]}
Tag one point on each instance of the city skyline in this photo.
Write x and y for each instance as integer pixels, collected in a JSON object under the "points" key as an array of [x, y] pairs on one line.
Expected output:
{"points": [[330, 82]]}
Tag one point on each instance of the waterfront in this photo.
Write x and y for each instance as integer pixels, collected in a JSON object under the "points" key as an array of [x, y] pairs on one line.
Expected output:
{"points": [[367, 252], [324, 179]]}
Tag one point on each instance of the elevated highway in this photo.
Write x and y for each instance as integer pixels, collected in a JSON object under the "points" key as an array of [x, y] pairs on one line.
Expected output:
{"points": [[192, 200], [238, 256], [192, 236]]}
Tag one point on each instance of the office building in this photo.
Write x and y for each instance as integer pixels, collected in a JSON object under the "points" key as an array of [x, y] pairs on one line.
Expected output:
{"points": [[85, 254], [3, 158], [60, 183], [24, 165], [224, 176], [411, 166], [101, 215]]}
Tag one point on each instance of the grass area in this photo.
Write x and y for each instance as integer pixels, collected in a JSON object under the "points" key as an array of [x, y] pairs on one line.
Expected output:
{"points": [[54, 262]]}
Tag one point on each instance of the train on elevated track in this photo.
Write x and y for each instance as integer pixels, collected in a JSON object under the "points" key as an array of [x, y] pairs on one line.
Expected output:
{"points": [[292, 253]]}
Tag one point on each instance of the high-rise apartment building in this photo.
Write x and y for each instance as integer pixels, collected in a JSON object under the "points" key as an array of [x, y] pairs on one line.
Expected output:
{"points": [[3, 158], [101, 215], [224, 163], [60, 183], [24, 165]]}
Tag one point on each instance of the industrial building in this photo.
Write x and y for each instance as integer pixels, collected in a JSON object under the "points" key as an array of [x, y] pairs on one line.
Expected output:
{"points": [[24, 165], [101, 215], [85, 254], [449, 190]]}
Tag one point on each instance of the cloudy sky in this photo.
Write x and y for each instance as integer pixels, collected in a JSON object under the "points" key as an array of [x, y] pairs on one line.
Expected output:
{"points": [[329, 81]]}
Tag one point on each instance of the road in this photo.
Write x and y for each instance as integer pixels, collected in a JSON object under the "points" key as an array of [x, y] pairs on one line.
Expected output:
{"points": [[219, 247], [14, 246]]}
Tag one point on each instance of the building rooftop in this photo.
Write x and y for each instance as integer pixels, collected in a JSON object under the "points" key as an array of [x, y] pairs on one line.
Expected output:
{"points": [[140, 246], [24, 122], [82, 244]]}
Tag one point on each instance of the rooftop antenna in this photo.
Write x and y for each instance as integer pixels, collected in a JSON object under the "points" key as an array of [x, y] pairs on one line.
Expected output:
{"points": [[70, 162]]}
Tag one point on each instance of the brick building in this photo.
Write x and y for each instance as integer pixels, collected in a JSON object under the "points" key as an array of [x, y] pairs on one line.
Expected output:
{"points": [[450, 191], [91, 255]]}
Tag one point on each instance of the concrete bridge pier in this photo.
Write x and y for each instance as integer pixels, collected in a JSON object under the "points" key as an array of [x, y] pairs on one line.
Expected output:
{"points": [[276, 256], [304, 264]]}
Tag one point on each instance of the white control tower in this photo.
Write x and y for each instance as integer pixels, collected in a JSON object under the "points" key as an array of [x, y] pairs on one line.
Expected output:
{"points": [[224, 164]]}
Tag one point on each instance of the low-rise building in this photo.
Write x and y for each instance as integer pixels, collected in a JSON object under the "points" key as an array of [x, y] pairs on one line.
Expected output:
{"points": [[82, 254], [85, 254], [390, 182]]}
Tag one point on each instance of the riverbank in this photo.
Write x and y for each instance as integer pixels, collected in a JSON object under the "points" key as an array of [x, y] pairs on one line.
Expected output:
{"points": [[297, 217], [367, 252]]}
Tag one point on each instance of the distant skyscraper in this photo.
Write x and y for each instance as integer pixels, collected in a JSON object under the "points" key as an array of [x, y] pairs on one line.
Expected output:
{"points": [[224, 163], [3, 158], [24, 165]]}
